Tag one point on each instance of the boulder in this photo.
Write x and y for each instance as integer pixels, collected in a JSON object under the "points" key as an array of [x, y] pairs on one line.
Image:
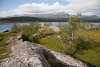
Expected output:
{"points": [[6, 31]]}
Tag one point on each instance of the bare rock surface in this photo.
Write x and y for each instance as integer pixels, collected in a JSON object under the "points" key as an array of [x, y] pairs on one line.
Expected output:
{"points": [[64, 59], [26, 54]]}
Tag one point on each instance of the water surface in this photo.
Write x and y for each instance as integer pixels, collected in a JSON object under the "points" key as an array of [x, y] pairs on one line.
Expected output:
{"points": [[7, 26]]}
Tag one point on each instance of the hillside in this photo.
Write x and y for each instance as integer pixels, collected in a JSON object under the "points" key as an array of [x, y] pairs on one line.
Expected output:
{"points": [[49, 17]]}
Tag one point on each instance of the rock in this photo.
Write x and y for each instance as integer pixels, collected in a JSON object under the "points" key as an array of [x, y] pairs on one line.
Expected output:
{"points": [[55, 28], [51, 57], [58, 37], [21, 37], [6, 31], [26, 54], [68, 61], [64, 59]]}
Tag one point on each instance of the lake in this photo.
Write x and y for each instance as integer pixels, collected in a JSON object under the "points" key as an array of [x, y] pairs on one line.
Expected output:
{"points": [[7, 26]]}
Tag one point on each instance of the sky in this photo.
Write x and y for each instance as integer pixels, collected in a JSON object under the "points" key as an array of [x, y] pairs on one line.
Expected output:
{"points": [[20, 7]]}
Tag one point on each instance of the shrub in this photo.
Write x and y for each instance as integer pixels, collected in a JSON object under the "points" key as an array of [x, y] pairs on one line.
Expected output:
{"points": [[14, 28]]}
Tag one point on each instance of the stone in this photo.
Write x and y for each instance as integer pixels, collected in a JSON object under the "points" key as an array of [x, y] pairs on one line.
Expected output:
{"points": [[6, 31], [55, 28], [64, 59], [27, 54]]}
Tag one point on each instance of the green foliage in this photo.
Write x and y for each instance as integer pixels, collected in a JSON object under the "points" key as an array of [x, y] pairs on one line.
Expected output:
{"points": [[86, 47], [32, 39], [3, 52], [14, 28], [19, 28], [1, 36], [4, 45], [68, 33], [30, 29], [26, 30], [89, 56], [52, 42], [45, 31], [74, 23]]}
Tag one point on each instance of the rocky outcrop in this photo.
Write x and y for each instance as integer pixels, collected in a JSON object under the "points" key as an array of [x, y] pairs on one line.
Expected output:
{"points": [[26, 54]]}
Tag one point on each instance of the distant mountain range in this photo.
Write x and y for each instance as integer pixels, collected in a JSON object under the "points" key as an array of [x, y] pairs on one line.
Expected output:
{"points": [[55, 16]]}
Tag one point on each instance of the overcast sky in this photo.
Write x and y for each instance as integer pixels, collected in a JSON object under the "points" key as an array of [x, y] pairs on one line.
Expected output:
{"points": [[19, 7]]}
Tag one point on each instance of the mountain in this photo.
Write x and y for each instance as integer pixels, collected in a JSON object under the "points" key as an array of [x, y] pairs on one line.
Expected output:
{"points": [[49, 17], [58, 15], [91, 16]]}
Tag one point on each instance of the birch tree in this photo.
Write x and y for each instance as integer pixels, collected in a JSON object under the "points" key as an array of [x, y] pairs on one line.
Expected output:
{"points": [[67, 33]]}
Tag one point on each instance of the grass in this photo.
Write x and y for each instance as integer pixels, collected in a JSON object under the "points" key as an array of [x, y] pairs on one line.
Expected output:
{"points": [[4, 36], [52, 42], [3, 52], [91, 55], [95, 35]]}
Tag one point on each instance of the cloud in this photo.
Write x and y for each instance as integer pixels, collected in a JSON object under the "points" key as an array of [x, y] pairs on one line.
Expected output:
{"points": [[86, 7]]}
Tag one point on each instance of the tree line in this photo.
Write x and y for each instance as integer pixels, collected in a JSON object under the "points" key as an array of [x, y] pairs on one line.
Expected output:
{"points": [[31, 19]]}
